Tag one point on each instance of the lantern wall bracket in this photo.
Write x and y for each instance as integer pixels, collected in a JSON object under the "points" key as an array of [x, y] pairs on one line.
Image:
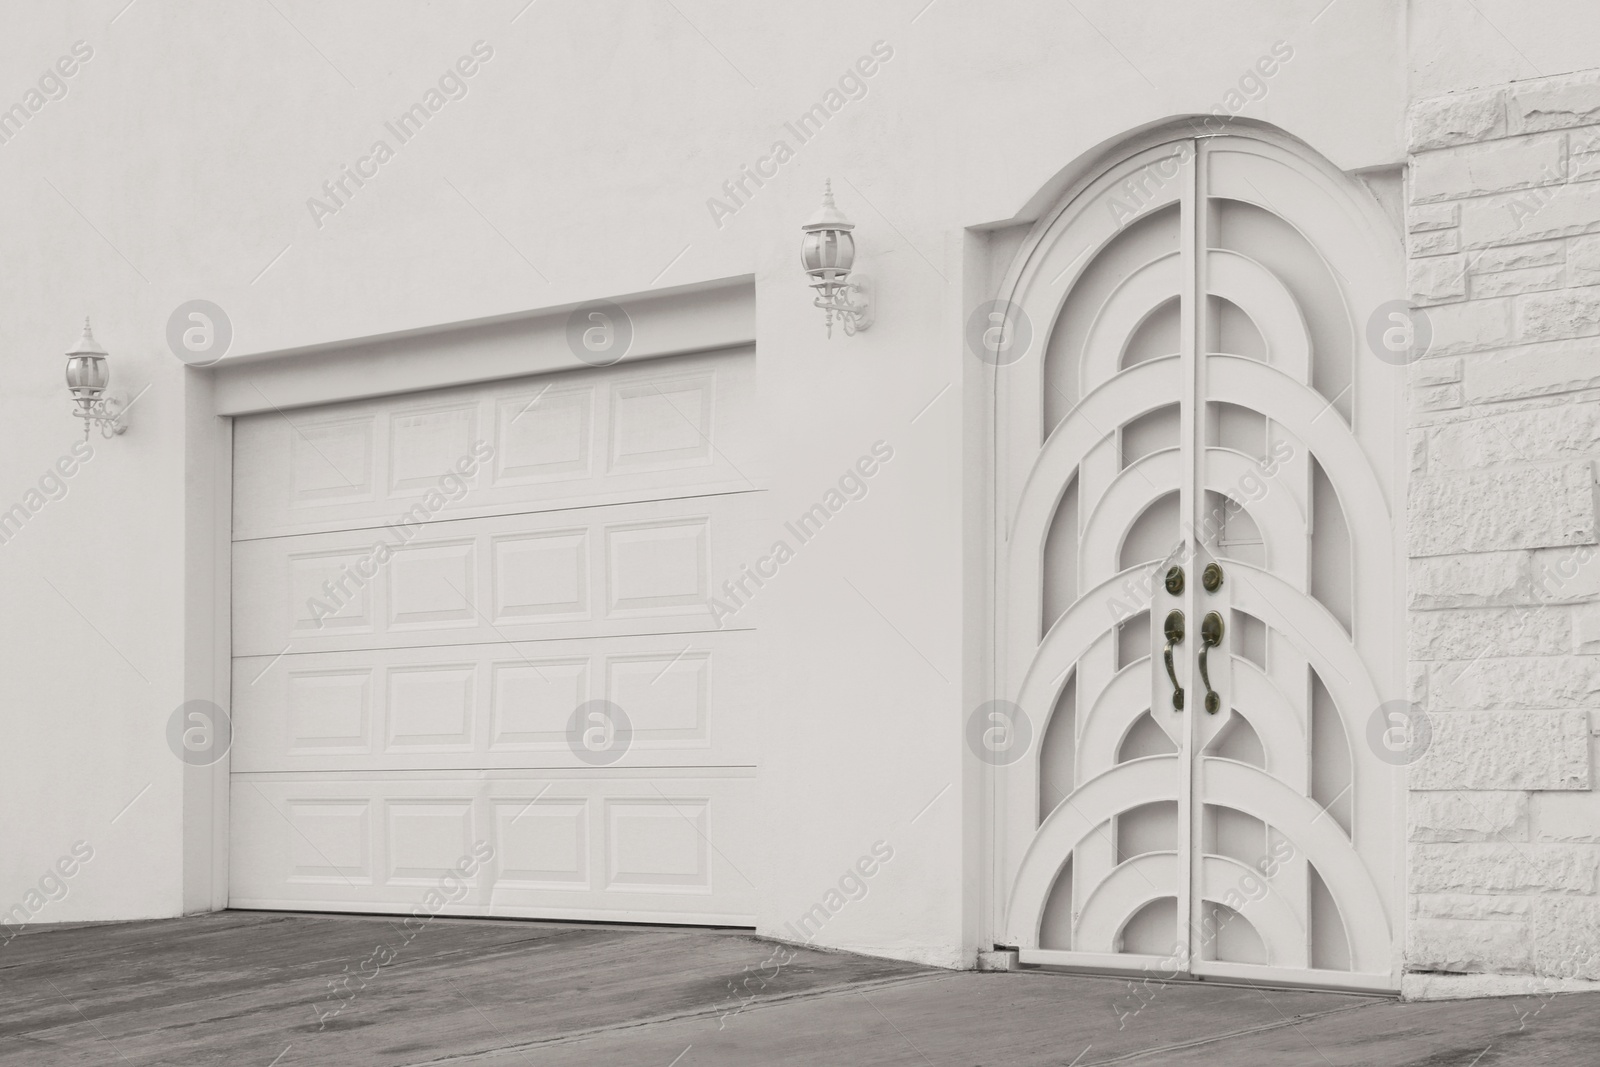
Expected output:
{"points": [[105, 413], [853, 316]]}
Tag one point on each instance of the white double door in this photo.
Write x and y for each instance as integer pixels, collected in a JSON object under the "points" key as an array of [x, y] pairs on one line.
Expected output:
{"points": [[1198, 581]]}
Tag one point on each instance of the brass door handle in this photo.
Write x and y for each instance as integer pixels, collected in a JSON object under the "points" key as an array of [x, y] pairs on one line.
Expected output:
{"points": [[1174, 631], [1210, 637]]}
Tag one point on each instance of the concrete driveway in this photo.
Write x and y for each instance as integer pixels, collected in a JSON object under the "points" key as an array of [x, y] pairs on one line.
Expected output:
{"points": [[258, 988]]}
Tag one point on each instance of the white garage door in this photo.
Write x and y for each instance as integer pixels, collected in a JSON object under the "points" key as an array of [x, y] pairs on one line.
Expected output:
{"points": [[411, 643]]}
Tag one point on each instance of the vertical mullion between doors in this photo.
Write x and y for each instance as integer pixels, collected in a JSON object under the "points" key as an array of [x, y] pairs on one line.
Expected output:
{"points": [[1190, 502]]}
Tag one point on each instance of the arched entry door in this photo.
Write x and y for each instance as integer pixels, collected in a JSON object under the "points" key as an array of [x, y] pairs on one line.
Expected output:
{"points": [[1198, 471]]}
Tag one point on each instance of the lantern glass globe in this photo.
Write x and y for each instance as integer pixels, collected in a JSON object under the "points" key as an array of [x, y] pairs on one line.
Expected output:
{"points": [[87, 374], [827, 256]]}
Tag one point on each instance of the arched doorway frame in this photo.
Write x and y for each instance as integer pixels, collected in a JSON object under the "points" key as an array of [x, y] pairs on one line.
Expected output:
{"points": [[1381, 428]]}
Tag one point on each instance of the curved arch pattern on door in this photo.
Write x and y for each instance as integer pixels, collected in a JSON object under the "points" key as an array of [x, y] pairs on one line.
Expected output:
{"points": [[1200, 397]]}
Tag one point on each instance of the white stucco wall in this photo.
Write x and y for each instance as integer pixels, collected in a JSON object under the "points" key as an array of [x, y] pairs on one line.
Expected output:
{"points": [[578, 165]]}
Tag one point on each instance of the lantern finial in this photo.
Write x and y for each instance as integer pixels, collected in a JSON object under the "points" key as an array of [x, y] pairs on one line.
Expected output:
{"points": [[828, 216], [86, 344]]}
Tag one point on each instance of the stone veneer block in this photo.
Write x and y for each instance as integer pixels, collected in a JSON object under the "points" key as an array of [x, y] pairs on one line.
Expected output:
{"points": [[1584, 167], [1585, 627], [1503, 508], [1469, 816], [1565, 575], [1535, 370], [1463, 906], [1567, 431], [1518, 257], [1566, 817], [1433, 242], [1566, 937], [1425, 372], [1437, 280], [1505, 750], [1438, 398], [1554, 103], [1560, 315], [1504, 868], [1465, 633], [1484, 579], [1468, 947], [1583, 259], [1533, 215], [1469, 327], [1513, 282], [1480, 169], [1424, 217], [1460, 118]]}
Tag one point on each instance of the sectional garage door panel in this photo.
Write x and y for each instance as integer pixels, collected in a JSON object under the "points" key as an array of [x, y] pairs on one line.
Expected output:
{"points": [[590, 572], [662, 428], [430, 590], [596, 846], [495, 705]]}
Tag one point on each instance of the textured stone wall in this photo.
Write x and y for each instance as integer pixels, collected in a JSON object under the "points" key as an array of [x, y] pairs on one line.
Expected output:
{"points": [[1503, 245]]}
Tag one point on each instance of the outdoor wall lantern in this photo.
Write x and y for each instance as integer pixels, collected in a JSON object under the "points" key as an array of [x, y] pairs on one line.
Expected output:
{"points": [[87, 377], [827, 253]]}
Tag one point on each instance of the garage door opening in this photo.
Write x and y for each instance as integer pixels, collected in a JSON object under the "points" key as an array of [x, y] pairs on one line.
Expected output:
{"points": [[473, 662]]}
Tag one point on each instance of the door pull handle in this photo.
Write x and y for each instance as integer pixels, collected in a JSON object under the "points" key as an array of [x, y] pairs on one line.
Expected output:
{"points": [[1174, 631], [1210, 637]]}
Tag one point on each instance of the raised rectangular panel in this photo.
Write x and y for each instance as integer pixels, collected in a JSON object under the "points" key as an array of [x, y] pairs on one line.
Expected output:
{"points": [[692, 699], [330, 840], [426, 838], [432, 584], [646, 567], [664, 695], [543, 435], [658, 845], [541, 575], [532, 700], [612, 844], [635, 432], [329, 460], [657, 567], [661, 423], [329, 711], [431, 707], [542, 841], [426, 445], [327, 593]]}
